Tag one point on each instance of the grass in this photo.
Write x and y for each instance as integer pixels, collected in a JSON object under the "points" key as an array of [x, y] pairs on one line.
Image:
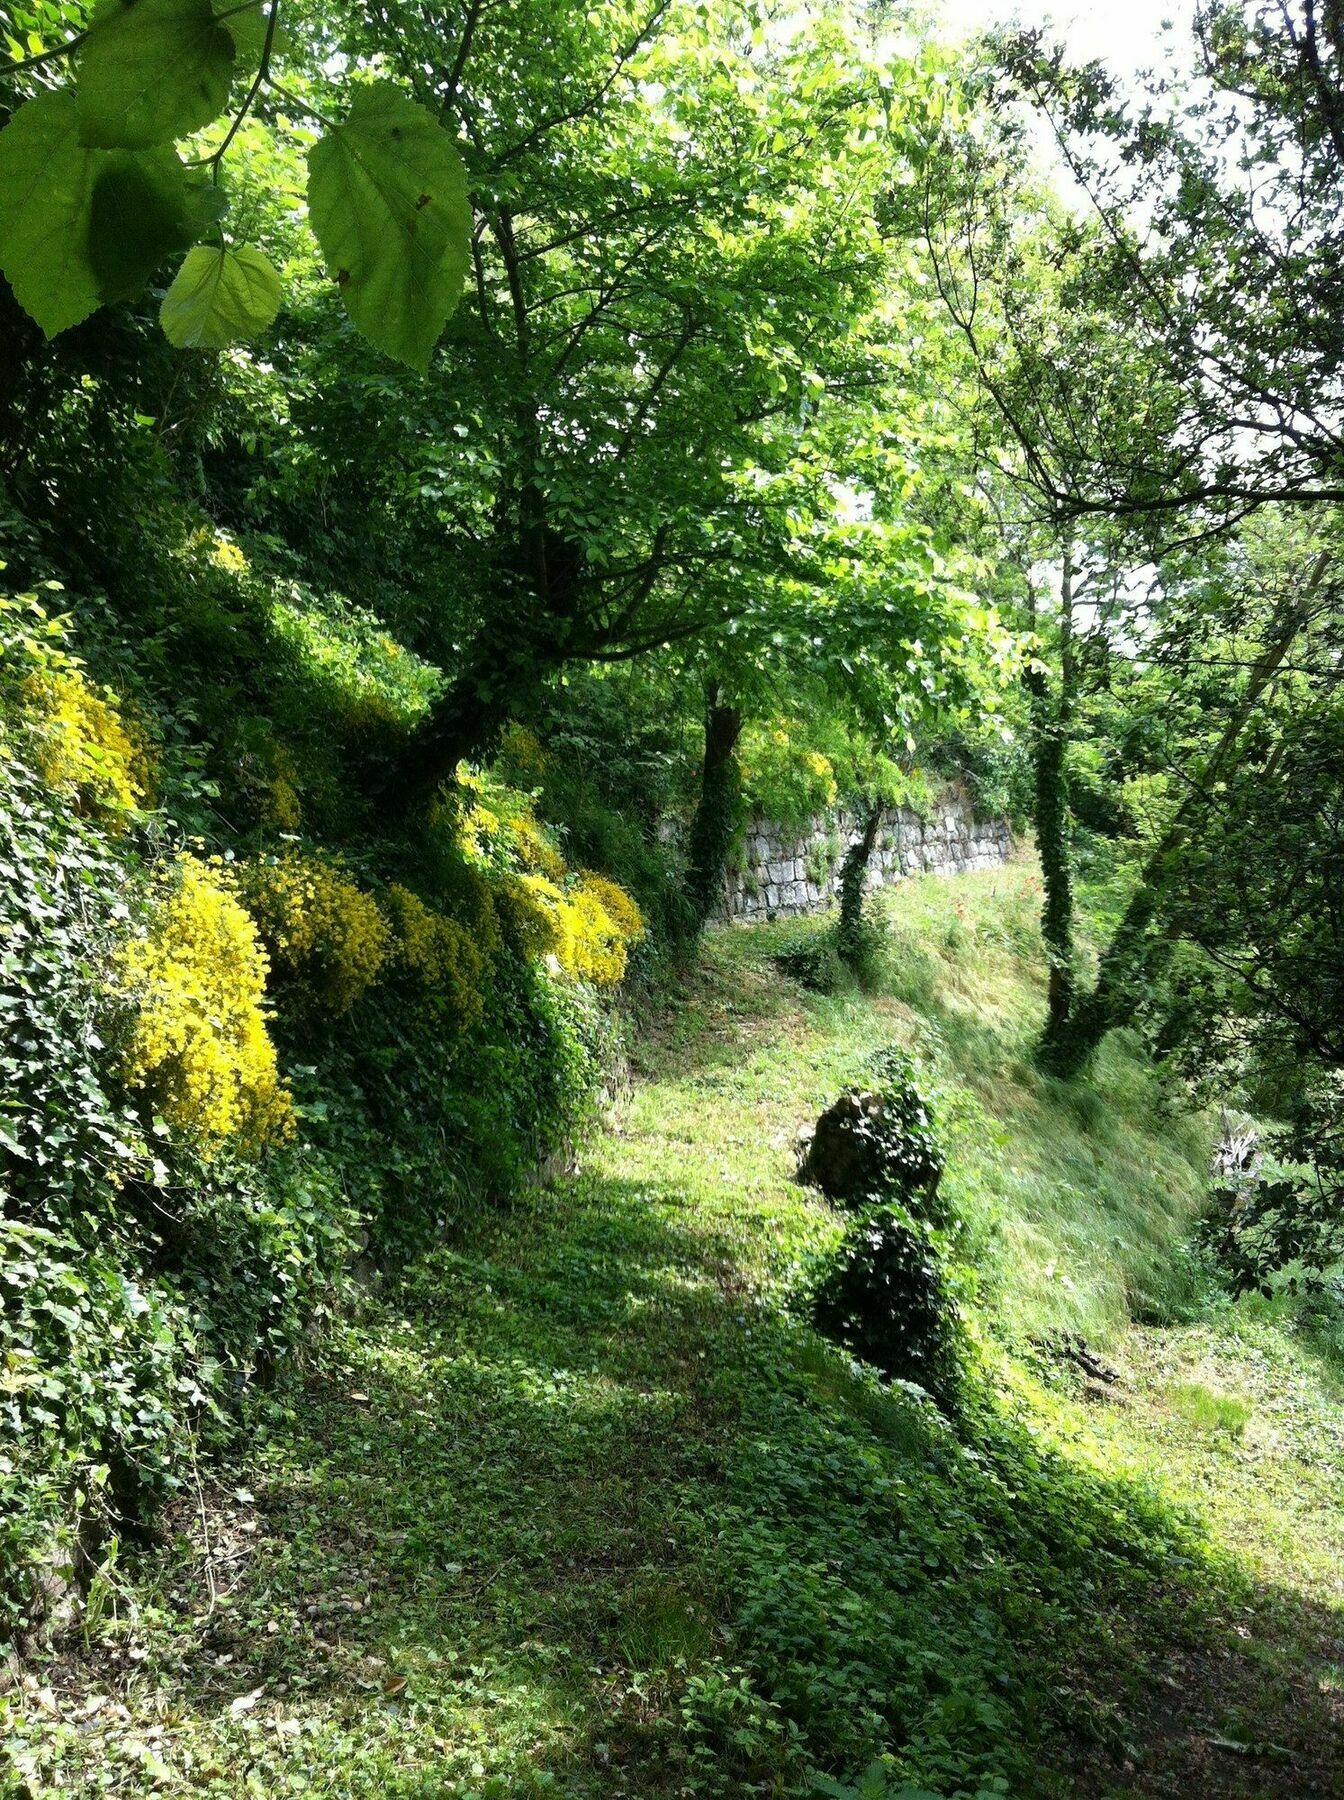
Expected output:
{"points": [[580, 1508]]}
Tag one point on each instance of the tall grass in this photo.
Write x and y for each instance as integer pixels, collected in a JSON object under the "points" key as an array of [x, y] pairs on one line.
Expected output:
{"points": [[1080, 1193]]}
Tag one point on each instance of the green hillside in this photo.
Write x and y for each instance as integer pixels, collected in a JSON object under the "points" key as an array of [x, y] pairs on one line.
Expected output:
{"points": [[579, 1505]]}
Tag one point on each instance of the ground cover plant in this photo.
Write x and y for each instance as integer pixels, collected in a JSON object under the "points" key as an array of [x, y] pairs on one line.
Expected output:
{"points": [[581, 1505]]}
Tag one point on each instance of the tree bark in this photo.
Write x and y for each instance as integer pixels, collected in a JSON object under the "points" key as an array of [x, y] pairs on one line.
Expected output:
{"points": [[715, 818]]}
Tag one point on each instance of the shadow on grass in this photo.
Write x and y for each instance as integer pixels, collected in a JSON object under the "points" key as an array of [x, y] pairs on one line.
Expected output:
{"points": [[573, 1512]]}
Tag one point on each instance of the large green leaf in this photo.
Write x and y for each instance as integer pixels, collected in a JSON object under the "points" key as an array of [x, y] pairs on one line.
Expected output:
{"points": [[47, 180], [141, 213], [152, 71], [219, 297], [387, 196]]}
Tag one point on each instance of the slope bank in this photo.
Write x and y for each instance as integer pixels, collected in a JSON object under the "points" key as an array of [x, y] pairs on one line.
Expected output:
{"points": [[580, 1508]]}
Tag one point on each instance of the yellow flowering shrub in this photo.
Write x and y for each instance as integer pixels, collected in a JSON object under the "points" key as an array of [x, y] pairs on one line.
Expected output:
{"points": [[224, 553], [440, 954], [597, 949], [318, 925], [620, 907], [521, 752], [533, 848], [537, 913], [199, 1047], [587, 928], [81, 742]]}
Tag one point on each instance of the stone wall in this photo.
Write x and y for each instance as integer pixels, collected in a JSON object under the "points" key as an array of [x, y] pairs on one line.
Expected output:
{"points": [[781, 872]]}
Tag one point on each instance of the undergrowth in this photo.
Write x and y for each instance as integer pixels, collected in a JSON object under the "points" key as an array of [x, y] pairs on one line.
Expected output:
{"points": [[580, 1506]]}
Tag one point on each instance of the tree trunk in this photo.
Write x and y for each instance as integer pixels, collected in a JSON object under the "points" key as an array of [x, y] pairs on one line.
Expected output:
{"points": [[853, 883], [1050, 744], [715, 818], [1125, 960]]}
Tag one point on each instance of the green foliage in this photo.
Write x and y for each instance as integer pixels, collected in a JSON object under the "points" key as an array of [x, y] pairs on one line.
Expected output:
{"points": [[79, 225], [907, 1153], [152, 72], [814, 961], [887, 1298], [93, 195], [387, 194], [220, 296]]}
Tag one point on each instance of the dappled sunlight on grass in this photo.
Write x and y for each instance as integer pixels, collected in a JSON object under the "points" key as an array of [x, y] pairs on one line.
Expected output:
{"points": [[577, 1504]]}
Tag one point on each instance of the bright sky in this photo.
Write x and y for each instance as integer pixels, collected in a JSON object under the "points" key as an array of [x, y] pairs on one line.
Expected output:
{"points": [[1125, 34]]}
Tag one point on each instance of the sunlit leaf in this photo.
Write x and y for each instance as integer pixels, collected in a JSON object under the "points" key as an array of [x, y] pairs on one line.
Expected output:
{"points": [[220, 297], [152, 71], [387, 195], [47, 180]]}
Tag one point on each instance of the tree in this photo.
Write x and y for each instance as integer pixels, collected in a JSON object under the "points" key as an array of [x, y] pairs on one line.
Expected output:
{"points": [[676, 262], [1218, 238], [1110, 444]]}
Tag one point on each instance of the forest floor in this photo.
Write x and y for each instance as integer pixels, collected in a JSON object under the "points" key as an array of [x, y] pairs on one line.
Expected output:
{"points": [[580, 1508]]}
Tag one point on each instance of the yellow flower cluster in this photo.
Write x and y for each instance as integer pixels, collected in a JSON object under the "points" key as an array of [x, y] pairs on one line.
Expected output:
{"points": [[535, 910], [619, 906], [533, 848], [587, 928], [317, 924], [823, 771], [226, 555], [520, 748], [438, 952], [82, 743], [199, 1047]]}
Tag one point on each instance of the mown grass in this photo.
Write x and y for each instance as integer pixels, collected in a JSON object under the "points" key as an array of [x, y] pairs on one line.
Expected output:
{"points": [[580, 1507]]}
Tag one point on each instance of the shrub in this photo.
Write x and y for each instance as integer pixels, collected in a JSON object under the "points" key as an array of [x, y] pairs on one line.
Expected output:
{"points": [[573, 924], [604, 922], [886, 1298], [318, 925], [912, 1158], [82, 743], [878, 1142], [93, 1410], [784, 777], [198, 1047], [439, 954], [814, 963], [533, 910], [82, 746], [619, 907]]}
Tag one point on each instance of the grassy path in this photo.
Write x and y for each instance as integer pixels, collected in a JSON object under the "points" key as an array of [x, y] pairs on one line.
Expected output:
{"points": [[580, 1510]]}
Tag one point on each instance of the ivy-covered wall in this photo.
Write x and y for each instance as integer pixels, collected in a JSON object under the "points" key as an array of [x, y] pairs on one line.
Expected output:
{"points": [[781, 871]]}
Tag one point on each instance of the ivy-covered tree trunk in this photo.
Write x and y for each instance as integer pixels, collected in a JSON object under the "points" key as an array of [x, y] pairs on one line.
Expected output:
{"points": [[853, 886], [1050, 721], [715, 818], [1127, 958]]}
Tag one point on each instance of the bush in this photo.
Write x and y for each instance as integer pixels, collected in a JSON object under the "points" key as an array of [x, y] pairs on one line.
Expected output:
{"points": [[199, 1047], [318, 925], [886, 1298], [912, 1158], [879, 1142], [814, 964]]}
